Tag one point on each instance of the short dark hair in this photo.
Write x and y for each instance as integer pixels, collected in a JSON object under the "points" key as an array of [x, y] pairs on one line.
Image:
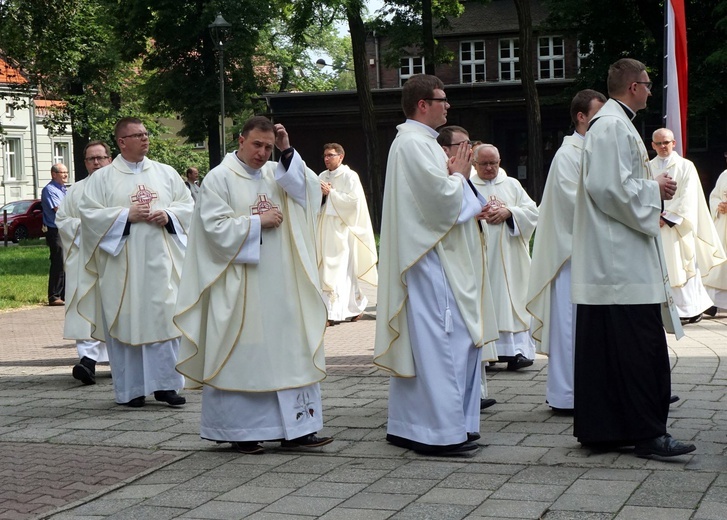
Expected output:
{"points": [[445, 134], [122, 123], [191, 169], [261, 123], [96, 143], [334, 146], [582, 102], [416, 88], [622, 74]]}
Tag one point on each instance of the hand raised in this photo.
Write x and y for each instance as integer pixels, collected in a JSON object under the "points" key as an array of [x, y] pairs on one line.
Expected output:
{"points": [[461, 161], [282, 141]]}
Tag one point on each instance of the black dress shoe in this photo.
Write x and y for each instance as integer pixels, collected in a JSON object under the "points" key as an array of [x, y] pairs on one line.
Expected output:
{"points": [[562, 411], [696, 319], [449, 451], [85, 374], [307, 441], [474, 436], [356, 318], [248, 448], [712, 311], [137, 402], [170, 397], [673, 399], [486, 403], [664, 446], [518, 362]]}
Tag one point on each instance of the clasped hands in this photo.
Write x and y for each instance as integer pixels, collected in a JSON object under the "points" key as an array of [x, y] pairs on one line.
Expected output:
{"points": [[494, 214], [139, 212]]}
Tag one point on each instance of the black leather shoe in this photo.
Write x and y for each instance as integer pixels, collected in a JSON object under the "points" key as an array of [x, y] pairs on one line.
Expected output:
{"points": [[457, 449], [696, 319], [712, 311], [664, 446], [84, 374], [248, 448], [486, 403], [518, 362], [170, 397], [472, 437], [562, 411], [673, 399], [137, 402], [307, 441]]}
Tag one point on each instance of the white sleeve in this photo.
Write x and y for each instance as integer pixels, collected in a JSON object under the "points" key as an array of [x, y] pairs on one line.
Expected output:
{"points": [[471, 205], [292, 180], [250, 250], [179, 235], [114, 240]]}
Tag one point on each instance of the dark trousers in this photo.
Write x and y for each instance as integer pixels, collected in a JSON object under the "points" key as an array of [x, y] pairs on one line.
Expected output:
{"points": [[56, 276], [622, 378]]}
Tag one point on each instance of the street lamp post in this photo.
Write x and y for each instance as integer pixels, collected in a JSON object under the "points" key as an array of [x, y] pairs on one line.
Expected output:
{"points": [[218, 31]]}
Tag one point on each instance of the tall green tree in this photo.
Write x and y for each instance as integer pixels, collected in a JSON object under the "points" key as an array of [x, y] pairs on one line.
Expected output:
{"points": [[68, 52], [172, 39]]}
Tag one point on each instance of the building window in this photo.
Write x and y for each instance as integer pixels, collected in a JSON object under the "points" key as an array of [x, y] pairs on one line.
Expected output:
{"points": [[199, 145], [62, 154], [410, 66], [13, 158], [585, 51], [472, 62], [9, 110], [551, 58], [509, 60]]}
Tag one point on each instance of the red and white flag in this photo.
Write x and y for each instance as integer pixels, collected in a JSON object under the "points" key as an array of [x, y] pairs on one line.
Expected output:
{"points": [[675, 107]]}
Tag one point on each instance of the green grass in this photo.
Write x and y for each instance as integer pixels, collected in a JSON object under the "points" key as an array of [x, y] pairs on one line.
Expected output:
{"points": [[23, 275]]}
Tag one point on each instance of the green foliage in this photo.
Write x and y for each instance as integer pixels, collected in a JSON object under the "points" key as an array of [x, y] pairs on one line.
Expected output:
{"points": [[178, 155], [23, 276]]}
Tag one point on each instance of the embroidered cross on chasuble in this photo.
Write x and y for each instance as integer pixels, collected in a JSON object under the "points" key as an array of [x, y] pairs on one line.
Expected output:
{"points": [[143, 195], [262, 205]]}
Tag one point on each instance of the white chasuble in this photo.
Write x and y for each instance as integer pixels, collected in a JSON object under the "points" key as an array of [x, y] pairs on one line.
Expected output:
{"points": [[346, 245], [432, 297], [135, 285], [508, 262], [620, 205], [716, 280], [422, 204], [691, 245], [554, 242], [78, 280], [250, 310]]}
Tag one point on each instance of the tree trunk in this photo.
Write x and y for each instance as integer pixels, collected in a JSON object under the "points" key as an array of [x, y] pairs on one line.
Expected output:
{"points": [[535, 175], [372, 178], [428, 36]]}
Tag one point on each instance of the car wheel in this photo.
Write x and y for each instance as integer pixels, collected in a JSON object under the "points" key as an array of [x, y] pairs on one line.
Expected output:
{"points": [[21, 233]]}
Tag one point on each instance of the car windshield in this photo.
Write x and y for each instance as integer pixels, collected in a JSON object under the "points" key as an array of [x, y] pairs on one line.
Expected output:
{"points": [[16, 208]]}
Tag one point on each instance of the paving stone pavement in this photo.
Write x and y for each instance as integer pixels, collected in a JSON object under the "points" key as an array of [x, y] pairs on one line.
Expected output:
{"points": [[68, 452]]}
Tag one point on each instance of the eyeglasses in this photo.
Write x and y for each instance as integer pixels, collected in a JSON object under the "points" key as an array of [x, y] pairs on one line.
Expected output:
{"points": [[648, 84], [442, 99], [663, 143], [459, 143], [95, 158], [140, 135], [331, 155], [490, 164]]}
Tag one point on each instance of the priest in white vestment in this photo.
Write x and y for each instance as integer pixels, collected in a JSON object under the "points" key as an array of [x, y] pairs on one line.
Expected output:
{"points": [[450, 138], [619, 281], [691, 245], [716, 280], [135, 214], [430, 325], [345, 239], [548, 296], [511, 216], [249, 304], [68, 219]]}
